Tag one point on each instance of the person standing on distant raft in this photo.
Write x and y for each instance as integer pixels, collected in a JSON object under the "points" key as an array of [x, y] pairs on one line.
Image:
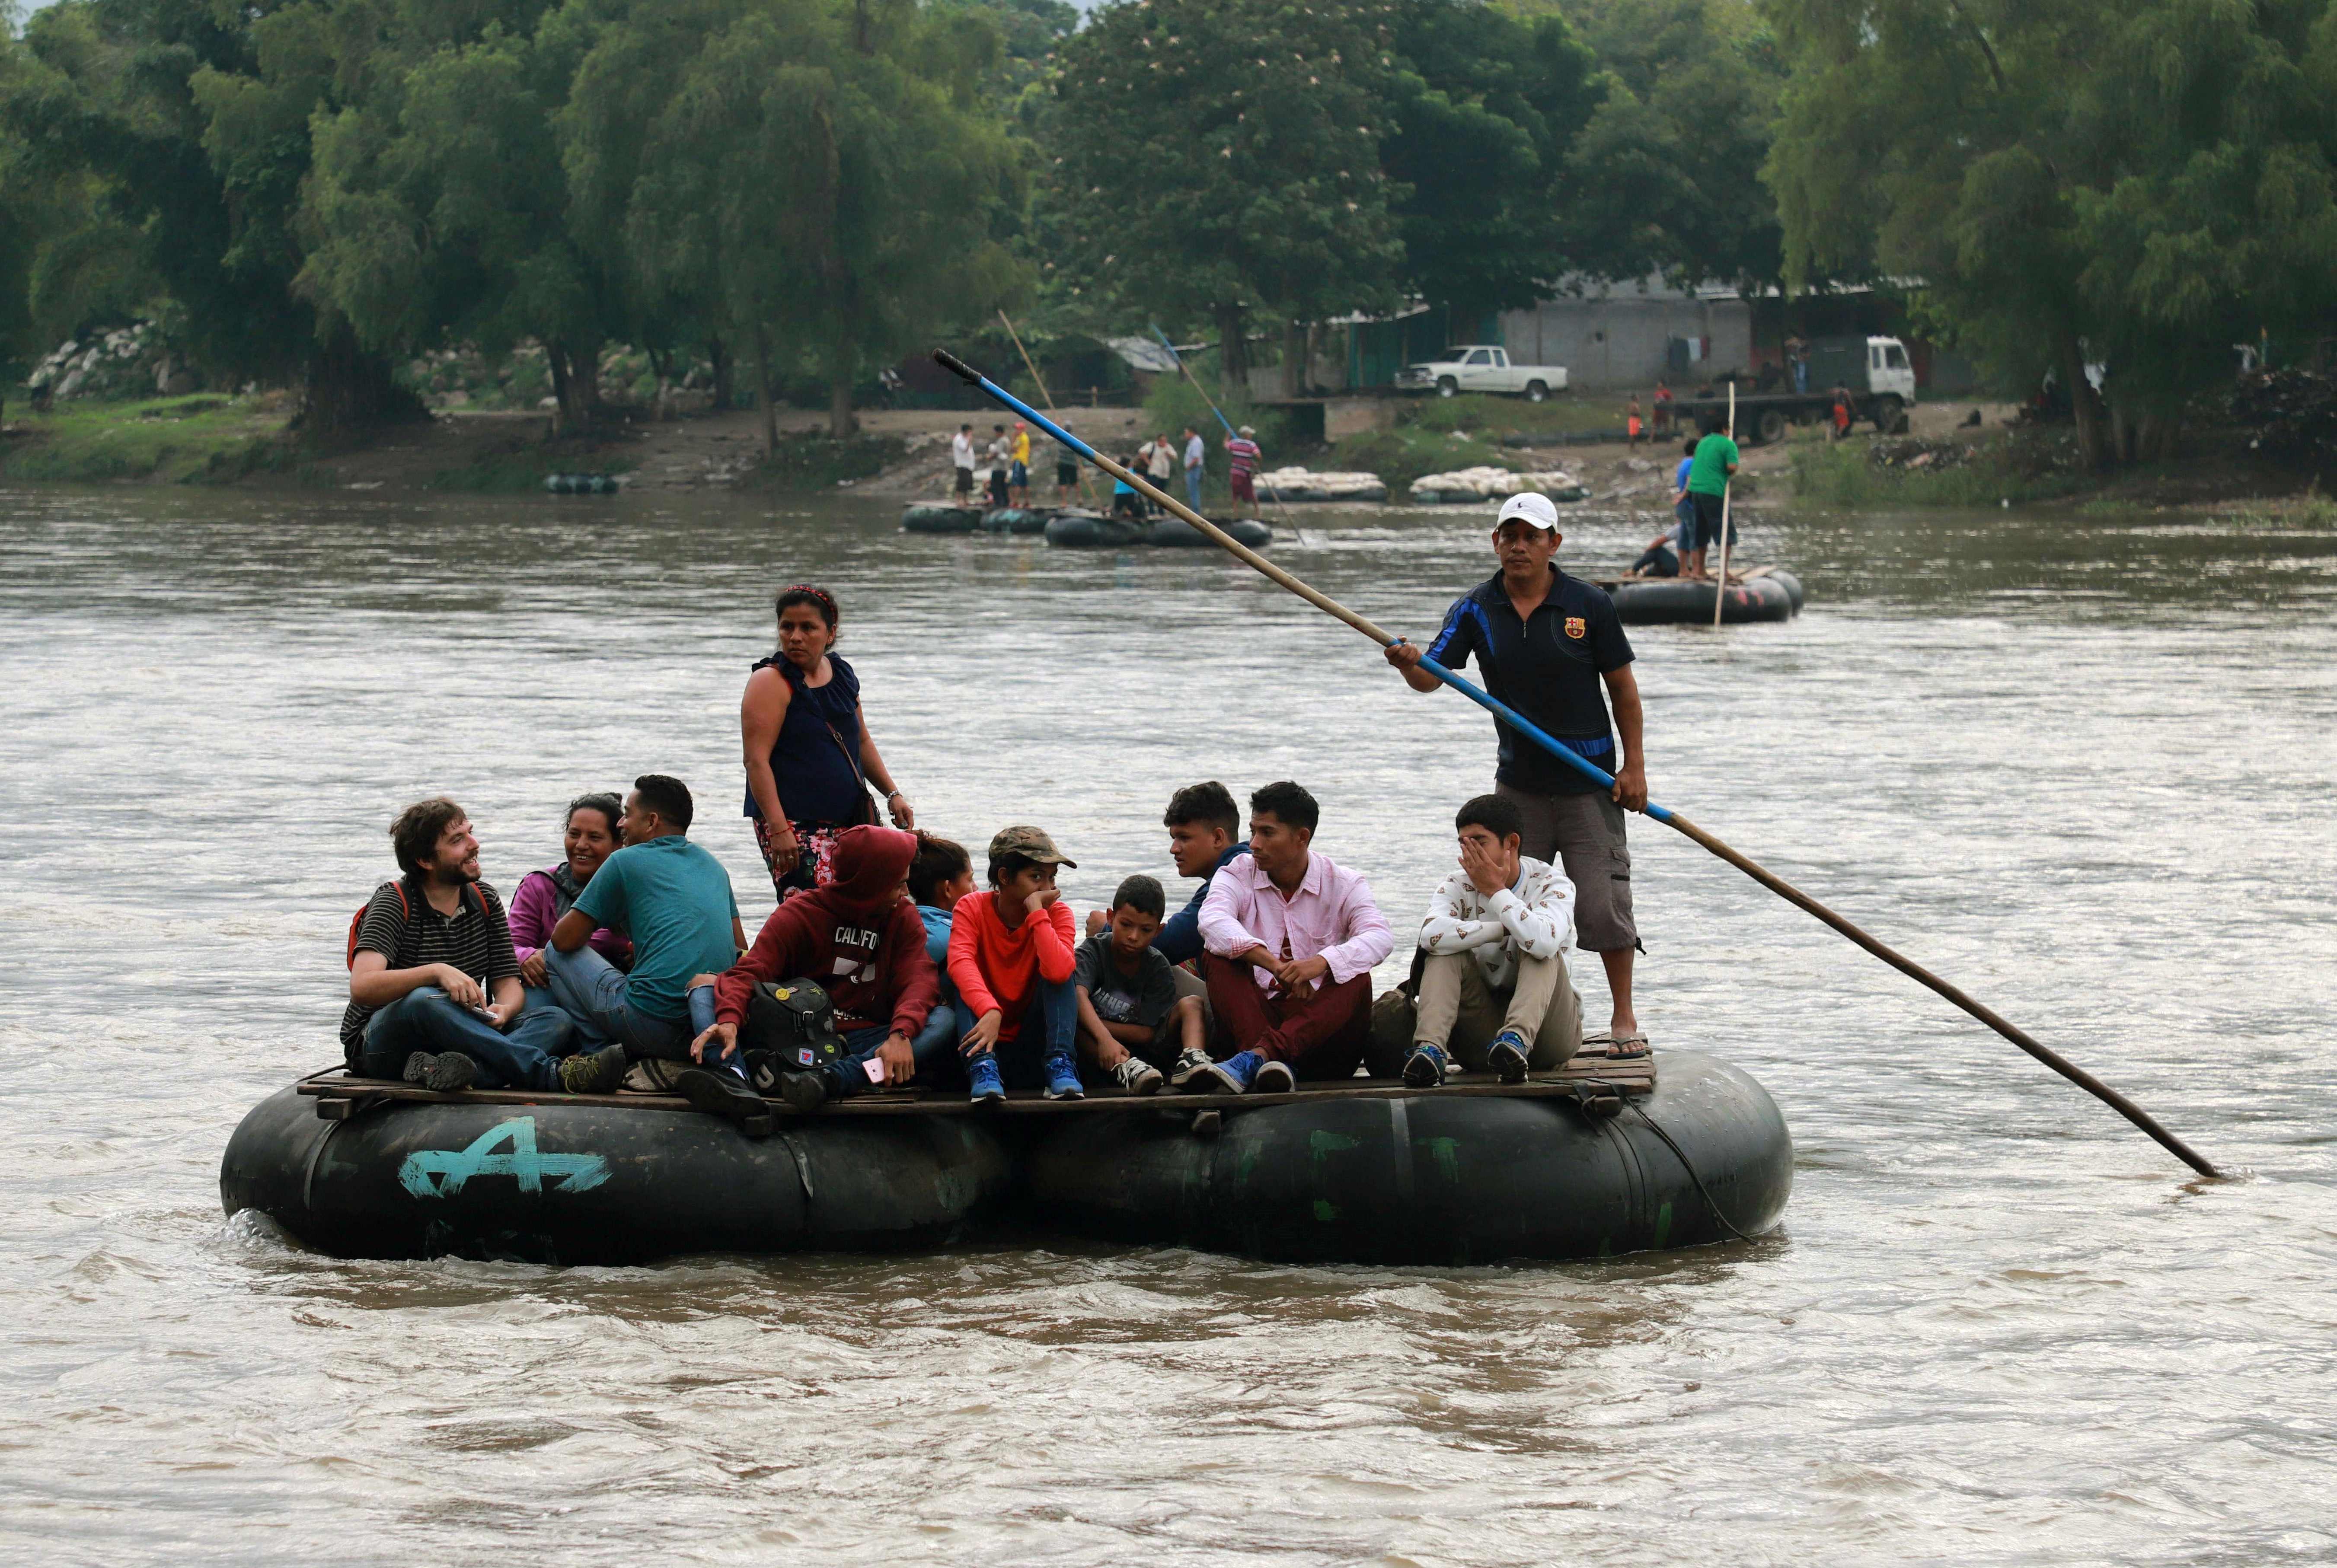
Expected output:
{"points": [[1017, 472], [1242, 459], [808, 753], [1546, 643], [1708, 473], [1196, 464]]}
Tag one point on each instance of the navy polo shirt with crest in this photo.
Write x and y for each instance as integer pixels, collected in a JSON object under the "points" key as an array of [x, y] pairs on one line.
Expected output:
{"points": [[1547, 666]]}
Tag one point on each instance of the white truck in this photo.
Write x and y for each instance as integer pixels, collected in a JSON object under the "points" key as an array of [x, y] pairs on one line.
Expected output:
{"points": [[1482, 367]]}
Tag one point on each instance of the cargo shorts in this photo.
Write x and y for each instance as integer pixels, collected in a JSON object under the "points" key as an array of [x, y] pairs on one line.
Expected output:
{"points": [[1583, 833]]}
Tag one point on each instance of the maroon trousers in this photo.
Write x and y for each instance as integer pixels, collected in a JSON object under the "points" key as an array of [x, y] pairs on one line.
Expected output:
{"points": [[1319, 1035]]}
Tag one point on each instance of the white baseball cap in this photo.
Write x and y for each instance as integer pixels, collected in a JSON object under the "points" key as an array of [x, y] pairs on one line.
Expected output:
{"points": [[1532, 505]]}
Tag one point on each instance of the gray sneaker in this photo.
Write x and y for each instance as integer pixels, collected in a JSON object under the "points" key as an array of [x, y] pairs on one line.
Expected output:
{"points": [[447, 1073], [1191, 1062], [1137, 1076]]}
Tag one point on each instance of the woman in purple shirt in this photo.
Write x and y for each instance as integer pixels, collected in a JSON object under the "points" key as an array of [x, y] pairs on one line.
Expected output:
{"points": [[543, 897]]}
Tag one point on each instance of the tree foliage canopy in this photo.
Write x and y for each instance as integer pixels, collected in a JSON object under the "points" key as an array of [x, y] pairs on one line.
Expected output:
{"points": [[2133, 183]]}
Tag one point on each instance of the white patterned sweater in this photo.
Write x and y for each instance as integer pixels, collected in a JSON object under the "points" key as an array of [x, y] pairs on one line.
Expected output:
{"points": [[1535, 918]]}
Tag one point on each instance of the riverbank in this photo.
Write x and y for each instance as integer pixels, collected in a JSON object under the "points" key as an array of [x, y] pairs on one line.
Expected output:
{"points": [[1944, 460]]}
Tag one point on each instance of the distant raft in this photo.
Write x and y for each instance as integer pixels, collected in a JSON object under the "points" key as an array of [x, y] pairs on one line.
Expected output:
{"points": [[1447, 1177], [573, 1180], [1016, 520], [1175, 533], [939, 517], [1080, 530], [1767, 593], [581, 484]]}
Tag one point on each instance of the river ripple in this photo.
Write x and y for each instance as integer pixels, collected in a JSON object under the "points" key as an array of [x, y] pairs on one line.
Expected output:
{"points": [[2084, 765]]}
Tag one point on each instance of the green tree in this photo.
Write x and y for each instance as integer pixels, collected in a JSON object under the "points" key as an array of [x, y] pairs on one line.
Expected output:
{"points": [[2133, 183], [437, 207], [104, 120], [1480, 109], [1216, 159], [822, 179], [1664, 178]]}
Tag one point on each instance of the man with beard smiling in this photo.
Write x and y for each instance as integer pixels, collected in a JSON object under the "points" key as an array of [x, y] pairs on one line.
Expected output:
{"points": [[434, 992]]}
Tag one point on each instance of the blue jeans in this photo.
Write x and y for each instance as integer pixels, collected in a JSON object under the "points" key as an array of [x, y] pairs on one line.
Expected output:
{"points": [[935, 1048], [1193, 488], [598, 996], [426, 1018], [1051, 1026]]}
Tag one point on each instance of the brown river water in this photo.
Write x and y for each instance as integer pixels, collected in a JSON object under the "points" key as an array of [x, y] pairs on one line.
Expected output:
{"points": [[2084, 766]]}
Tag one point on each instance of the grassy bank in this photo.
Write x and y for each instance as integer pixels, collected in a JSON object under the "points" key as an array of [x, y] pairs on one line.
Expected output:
{"points": [[811, 460], [1887, 471], [199, 440]]}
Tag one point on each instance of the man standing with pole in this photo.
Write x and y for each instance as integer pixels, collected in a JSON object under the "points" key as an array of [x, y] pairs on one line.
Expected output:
{"points": [[1715, 462], [1547, 643]]}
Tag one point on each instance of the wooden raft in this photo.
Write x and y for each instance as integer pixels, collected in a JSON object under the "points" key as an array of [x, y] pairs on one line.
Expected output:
{"points": [[339, 1096]]}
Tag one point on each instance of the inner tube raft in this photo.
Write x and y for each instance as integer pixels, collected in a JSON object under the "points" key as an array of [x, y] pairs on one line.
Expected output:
{"points": [[939, 517], [1092, 531], [1175, 532], [1773, 595], [1439, 1178], [1015, 519], [595, 1182]]}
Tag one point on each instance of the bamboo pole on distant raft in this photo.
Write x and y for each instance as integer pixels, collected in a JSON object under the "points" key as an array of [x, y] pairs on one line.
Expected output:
{"points": [[1178, 360], [1041, 381], [1664, 814], [1727, 485]]}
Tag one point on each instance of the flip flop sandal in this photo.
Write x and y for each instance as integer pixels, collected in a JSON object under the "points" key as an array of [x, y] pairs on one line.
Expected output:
{"points": [[1630, 1047]]}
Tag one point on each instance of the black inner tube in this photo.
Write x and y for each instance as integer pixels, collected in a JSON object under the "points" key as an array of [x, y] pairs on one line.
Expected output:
{"points": [[1701, 1190]]}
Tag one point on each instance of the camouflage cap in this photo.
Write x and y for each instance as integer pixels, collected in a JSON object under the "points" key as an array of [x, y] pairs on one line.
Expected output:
{"points": [[1030, 843]]}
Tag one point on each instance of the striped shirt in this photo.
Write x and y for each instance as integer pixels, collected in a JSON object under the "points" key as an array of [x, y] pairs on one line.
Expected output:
{"points": [[1243, 454], [410, 933]]}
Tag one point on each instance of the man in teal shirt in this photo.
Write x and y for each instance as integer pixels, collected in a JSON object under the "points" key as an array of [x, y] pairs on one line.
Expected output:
{"points": [[674, 901], [1708, 486]]}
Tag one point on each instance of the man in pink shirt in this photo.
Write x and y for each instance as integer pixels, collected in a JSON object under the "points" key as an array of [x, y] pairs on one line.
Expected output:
{"points": [[1289, 942]]}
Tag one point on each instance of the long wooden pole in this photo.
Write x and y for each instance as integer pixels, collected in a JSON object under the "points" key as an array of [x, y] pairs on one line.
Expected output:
{"points": [[1041, 381], [1664, 814], [1720, 587]]}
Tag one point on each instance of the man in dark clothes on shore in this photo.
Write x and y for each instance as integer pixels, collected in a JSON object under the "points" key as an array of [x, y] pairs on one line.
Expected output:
{"points": [[1546, 643]]}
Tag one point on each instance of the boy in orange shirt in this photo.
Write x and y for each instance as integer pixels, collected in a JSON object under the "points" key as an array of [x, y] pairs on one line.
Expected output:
{"points": [[1012, 954]]}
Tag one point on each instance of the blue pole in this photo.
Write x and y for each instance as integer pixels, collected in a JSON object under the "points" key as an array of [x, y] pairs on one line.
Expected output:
{"points": [[1768, 879], [1177, 360], [1483, 699]]}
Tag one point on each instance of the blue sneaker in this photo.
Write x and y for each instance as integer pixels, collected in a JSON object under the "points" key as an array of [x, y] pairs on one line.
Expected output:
{"points": [[1426, 1066], [1507, 1056], [981, 1071], [1063, 1078], [1233, 1075]]}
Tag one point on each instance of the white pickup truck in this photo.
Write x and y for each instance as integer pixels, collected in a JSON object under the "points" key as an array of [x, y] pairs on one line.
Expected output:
{"points": [[1482, 367]]}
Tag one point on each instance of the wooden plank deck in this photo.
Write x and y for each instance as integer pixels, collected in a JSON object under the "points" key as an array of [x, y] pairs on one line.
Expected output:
{"points": [[339, 1095]]}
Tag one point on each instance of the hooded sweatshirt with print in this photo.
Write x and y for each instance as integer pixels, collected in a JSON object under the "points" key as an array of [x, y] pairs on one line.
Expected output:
{"points": [[858, 936]]}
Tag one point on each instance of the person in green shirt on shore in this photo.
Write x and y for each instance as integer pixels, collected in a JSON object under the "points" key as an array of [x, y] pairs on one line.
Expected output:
{"points": [[1708, 474]]}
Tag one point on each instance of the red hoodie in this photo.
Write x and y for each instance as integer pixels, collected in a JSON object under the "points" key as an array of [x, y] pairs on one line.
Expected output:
{"points": [[858, 936]]}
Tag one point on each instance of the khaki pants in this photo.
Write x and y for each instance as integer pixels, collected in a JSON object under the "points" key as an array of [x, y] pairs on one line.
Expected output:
{"points": [[1459, 1011]]}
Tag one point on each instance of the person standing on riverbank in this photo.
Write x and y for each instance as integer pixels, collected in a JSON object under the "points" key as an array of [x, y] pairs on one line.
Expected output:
{"points": [[808, 753], [1547, 643]]}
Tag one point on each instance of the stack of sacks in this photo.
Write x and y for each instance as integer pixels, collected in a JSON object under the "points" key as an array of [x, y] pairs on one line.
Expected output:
{"points": [[1305, 485], [1494, 483]]}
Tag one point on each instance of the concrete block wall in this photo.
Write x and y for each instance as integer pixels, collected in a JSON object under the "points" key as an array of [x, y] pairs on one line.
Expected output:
{"points": [[1618, 342]]}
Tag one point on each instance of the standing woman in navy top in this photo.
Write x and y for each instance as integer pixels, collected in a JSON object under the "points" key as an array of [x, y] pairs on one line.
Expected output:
{"points": [[809, 758]]}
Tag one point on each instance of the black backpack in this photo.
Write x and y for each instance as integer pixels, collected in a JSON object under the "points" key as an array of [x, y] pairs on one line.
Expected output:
{"points": [[789, 1028]]}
